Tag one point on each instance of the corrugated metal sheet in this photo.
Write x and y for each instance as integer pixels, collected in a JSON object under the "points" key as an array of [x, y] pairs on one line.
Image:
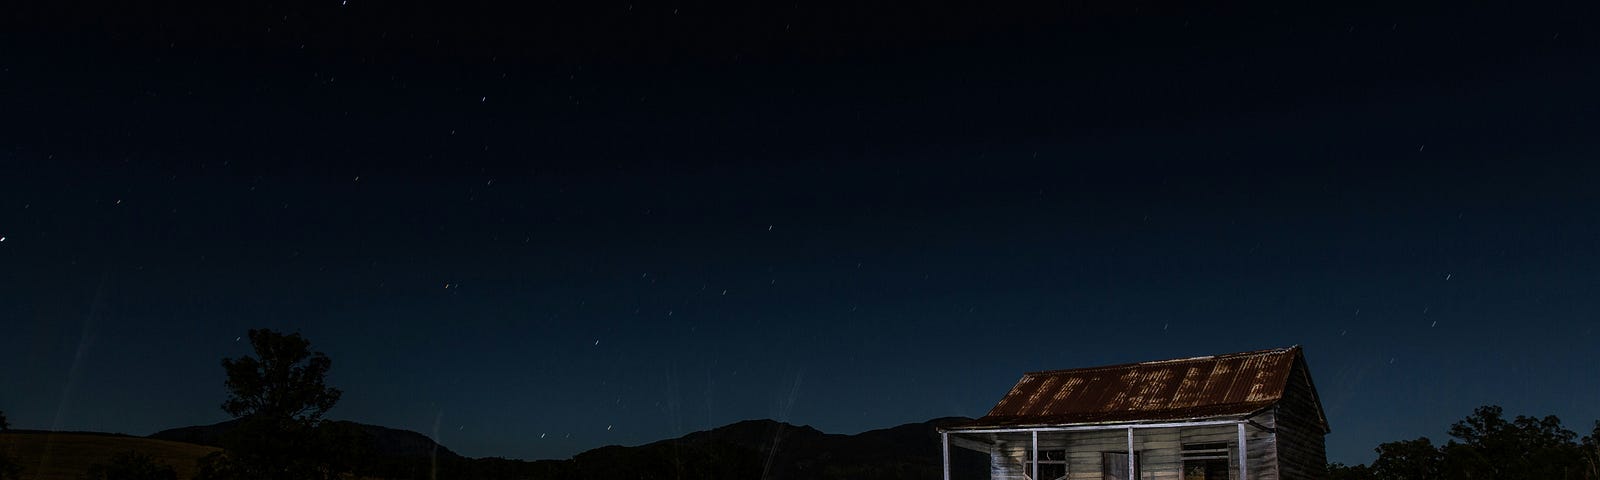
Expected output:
{"points": [[1202, 387]]}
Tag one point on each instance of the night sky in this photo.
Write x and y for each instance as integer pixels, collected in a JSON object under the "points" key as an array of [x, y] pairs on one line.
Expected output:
{"points": [[530, 232]]}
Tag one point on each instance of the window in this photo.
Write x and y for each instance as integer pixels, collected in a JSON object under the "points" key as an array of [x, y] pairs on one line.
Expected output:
{"points": [[1052, 465], [1114, 466], [1205, 461]]}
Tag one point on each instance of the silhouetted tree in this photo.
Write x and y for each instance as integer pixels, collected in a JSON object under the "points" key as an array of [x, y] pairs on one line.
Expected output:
{"points": [[9, 470], [1488, 446], [219, 466], [1408, 460], [131, 466], [1340, 471], [285, 381], [1591, 452], [279, 397]]}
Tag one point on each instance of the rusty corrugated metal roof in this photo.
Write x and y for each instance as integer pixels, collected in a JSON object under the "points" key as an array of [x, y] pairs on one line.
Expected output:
{"points": [[1234, 384]]}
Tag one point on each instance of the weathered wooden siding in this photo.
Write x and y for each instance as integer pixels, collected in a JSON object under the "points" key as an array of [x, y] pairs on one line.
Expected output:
{"points": [[1005, 461], [1301, 451], [1160, 451], [1260, 452]]}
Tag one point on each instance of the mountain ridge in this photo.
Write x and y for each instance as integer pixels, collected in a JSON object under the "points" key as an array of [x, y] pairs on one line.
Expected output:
{"points": [[761, 448], [390, 442]]}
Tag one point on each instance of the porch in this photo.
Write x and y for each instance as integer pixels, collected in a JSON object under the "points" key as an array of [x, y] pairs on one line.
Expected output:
{"points": [[1229, 449]]}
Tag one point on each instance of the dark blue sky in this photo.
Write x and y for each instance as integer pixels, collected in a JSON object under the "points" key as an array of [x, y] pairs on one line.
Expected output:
{"points": [[608, 227]]}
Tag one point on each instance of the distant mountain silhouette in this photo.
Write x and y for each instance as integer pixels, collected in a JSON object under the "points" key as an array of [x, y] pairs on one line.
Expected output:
{"points": [[744, 450], [387, 442], [776, 450]]}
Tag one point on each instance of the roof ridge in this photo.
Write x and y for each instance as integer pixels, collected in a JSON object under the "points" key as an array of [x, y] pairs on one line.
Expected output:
{"points": [[1223, 356]]}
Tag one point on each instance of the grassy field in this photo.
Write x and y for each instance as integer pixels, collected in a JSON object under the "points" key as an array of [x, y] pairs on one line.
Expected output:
{"points": [[66, 456]]}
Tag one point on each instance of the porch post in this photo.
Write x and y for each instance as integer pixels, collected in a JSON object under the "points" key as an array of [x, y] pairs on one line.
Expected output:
{"points": [[1244, 473], [944, 441], [1035, 474], [1130, 454]]}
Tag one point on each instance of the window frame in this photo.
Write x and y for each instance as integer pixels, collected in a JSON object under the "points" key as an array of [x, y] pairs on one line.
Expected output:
{"points": [[1029, 461], [1207, 452]]}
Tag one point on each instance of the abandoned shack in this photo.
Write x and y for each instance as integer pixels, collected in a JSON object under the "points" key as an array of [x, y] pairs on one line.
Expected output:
{"points": [[1250, 415]]}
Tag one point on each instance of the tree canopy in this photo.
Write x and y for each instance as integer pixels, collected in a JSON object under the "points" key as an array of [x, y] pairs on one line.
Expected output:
{"points": [[1591, 452], [1487, 445], [284, 381], [279, 397]]}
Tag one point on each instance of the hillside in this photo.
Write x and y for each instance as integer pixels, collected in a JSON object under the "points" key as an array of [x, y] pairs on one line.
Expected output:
{"points": [[67, 455], [386, 442], [773, 450], [743, 450]]}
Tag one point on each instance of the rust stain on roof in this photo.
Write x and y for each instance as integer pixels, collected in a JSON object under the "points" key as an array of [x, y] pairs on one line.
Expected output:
{"points": [[1188, 388]]}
